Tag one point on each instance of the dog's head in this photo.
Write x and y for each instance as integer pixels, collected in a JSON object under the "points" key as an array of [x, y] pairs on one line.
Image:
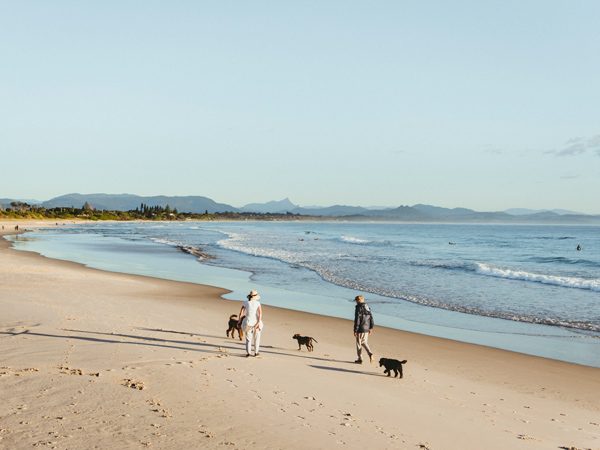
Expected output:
{"points": [[296, 336], [382, 361]]}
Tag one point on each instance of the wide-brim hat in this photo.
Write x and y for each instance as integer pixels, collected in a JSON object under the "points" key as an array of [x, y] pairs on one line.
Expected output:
{"points": [[253, 295]]}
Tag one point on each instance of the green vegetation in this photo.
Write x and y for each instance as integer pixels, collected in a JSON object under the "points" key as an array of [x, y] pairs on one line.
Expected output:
{"points": [[19, 210]]}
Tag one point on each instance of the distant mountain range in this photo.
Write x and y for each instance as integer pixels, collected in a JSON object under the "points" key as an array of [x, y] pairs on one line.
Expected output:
{"points": [[128, 202], [416, 213]]}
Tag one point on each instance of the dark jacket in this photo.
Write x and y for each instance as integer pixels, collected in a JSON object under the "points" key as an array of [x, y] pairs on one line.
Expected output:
{"points": [[363, 319]]}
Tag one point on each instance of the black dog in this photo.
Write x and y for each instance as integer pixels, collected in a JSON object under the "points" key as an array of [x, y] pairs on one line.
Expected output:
{"points": [[392, 364], [233, 325], [304, 340]]}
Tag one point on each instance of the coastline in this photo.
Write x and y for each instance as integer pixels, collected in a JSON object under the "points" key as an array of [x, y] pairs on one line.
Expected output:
{"points": [[72, 335]]}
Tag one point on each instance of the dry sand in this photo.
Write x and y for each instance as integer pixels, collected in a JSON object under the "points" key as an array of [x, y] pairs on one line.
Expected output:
{"points": [[92, 359]]}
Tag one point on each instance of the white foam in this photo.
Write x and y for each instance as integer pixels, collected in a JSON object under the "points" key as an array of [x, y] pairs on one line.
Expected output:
{"points": [[354, 240], [569, 282]]}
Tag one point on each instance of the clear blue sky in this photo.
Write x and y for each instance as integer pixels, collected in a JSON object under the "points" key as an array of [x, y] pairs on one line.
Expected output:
{"points": [[485, 105]]}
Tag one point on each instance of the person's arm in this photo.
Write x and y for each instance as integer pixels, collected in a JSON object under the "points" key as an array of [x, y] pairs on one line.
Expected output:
{"points": [[259, 310], [241, 314]]}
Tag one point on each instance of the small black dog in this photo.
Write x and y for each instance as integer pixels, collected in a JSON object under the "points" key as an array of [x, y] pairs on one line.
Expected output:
{"points": [[304, 340], [233, 325], [392, 364]]}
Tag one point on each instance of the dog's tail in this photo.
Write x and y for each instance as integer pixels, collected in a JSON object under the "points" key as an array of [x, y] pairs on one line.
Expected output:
{"points": [[314, 340], [403, 362], [232, 316]]}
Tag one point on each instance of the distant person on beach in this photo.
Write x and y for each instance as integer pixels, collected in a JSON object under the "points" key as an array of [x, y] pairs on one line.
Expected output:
{"points": [[363, 324], [579, 247], [252, 323]]}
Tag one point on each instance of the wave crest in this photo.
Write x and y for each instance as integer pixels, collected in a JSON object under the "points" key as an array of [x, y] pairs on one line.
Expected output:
{"points": [[569, 282]]}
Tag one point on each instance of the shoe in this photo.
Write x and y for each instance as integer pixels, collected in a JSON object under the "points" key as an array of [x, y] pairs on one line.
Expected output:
{"points": [[372, 358], [256, 354], [247, 355], [358, 361]]}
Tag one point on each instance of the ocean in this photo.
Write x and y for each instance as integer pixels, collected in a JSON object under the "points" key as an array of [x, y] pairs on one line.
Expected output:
{"points": [[524, 288]]}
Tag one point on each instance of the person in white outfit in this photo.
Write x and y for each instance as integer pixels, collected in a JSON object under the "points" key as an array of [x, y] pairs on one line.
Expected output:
{"points": [[252, 323]]}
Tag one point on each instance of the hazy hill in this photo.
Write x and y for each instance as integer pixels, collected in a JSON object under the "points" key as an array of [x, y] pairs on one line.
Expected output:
{"points": [[399, 213], [524, 211], [127, 202], [330, 211], [436, 211], [280, 207]]}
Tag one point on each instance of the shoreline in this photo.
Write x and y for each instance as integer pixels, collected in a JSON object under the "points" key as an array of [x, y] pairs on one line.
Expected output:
{"points": [[169, 336], [522, 336]]}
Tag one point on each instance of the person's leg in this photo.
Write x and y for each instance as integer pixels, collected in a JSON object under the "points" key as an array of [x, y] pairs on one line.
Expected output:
{"points": [[359, 346], [249, 339], [365, 344], [256, 341]]}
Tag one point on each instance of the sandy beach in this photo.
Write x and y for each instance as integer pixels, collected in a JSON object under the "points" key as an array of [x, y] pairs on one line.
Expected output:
{"points": [[94, 359]]}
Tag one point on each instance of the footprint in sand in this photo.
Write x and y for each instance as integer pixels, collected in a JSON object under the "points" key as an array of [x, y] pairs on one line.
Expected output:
{"points": [[165, 412], [139, 385], [525, 437], [207, 434], [154, 402]]}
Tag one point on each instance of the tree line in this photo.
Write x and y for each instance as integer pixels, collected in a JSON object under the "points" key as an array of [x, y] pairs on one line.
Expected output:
{"points": [[20, 210]]}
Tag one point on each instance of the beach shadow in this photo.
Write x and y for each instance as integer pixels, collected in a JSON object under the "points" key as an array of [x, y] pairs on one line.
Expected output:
{"points": [[187, 333], [113, 338], [172, 343], [339, 369], [287, 352]]}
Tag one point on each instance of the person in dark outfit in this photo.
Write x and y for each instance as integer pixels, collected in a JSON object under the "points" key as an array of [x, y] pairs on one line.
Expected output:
{"points": [[363, 324]]}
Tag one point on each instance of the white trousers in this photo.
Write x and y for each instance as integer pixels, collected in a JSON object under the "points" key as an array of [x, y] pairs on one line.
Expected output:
{"points": [[252, 338]]}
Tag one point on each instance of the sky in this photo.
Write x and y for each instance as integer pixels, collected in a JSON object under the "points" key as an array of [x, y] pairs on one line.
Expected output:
{"points": [[483, 105]]}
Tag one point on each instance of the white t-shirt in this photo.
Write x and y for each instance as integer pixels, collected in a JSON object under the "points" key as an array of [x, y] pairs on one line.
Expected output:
{"points": [[252, 313]]}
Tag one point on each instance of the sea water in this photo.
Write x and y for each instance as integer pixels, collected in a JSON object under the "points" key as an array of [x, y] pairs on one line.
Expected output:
{"points": [[524, 288]]}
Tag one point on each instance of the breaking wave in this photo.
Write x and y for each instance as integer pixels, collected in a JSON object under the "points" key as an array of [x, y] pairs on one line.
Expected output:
{"points": [[568, 282], [519, 275]]}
